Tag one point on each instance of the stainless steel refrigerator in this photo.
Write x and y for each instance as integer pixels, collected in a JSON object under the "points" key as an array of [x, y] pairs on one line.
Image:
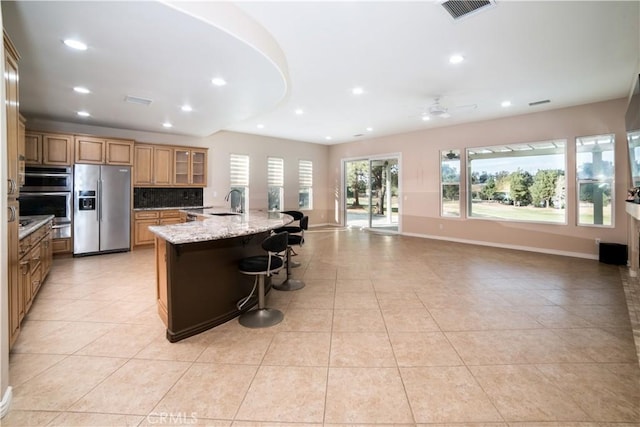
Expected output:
{"points": [[101, 209]]}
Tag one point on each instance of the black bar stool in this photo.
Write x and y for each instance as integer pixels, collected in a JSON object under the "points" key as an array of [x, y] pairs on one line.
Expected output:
{"points": [[290, 284], [263, 266]]}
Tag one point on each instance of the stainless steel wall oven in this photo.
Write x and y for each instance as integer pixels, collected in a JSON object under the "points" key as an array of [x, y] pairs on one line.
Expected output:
{"points": [[48, 191]]}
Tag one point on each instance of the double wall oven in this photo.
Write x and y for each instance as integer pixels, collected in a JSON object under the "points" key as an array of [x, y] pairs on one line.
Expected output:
{"points": [[48, 190]]}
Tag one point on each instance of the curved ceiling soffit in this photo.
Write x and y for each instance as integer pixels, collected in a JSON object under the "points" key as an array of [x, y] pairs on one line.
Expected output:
{"points": [[235, 22]]}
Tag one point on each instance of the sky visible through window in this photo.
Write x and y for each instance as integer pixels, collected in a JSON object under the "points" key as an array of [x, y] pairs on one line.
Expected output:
{"points": [[530, 164]]}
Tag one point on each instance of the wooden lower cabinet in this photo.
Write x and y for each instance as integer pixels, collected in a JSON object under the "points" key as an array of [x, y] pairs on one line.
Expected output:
{"points": [[36, 257], [61, 246], [142, 220]]}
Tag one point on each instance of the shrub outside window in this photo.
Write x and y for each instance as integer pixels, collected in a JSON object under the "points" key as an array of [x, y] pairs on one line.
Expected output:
{"points": [[595, 172], [518, 182], [450, 183]]}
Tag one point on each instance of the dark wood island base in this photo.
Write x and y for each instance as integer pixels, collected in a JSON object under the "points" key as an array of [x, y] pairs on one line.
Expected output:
{"points": [[198, 284]]}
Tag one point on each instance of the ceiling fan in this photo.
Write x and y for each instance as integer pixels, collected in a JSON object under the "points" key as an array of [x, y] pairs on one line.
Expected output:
{"points": [[441, 111]]}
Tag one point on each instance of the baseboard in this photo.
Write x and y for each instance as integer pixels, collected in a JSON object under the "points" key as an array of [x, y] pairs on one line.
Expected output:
{"points": [[6, 402], [505, 246]]}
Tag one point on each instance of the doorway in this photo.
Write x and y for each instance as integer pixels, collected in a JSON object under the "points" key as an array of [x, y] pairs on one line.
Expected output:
{"points": [[371, 193]]}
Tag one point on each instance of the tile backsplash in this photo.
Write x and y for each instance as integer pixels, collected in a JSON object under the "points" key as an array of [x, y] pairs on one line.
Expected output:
{"points": [[144, 198]]}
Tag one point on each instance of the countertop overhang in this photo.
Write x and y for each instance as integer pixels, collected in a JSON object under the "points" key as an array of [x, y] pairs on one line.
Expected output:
{"points": [[216, 224]]}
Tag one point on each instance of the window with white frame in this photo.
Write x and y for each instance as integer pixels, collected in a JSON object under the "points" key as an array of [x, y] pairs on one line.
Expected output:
{"points": [[275, 181], [238, 197], [595, 172], [305, 184], [450, 183], [518, 182]]}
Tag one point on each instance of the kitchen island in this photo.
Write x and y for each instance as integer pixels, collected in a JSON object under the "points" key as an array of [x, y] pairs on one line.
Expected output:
{"points": [[198, 284]]}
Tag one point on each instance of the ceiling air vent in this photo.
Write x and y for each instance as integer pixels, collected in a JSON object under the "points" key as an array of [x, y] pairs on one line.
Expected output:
{"points": [[462, 8], [137, 100], [544, 101]]}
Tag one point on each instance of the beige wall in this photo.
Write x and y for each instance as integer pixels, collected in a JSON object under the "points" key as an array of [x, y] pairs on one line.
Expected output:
{"points": [[420, 177]]}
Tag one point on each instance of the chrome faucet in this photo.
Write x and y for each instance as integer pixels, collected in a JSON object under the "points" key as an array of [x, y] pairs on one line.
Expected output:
{"points": [[238, 208]]}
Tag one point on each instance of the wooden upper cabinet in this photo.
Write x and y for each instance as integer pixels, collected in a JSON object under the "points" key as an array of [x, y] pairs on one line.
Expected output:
{"points": [[143, 165], [12, 117], [57, 149], [21, 137], [190, 167], [43, 148], [119, 152], [152, 165], [162, 165], [89, 150], [103, 151], [33, 148]]}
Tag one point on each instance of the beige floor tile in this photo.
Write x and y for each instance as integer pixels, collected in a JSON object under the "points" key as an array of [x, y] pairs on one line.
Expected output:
{"points": [[18, 418], [24, 366], [354, 320], [523, 393], [399, 300], [207, 390], [598, 344], [58, 337], [133, 389], [606, 393], [423, 349], [246, 347], [60, 386], [299, 349], [356, 284], [408, 320], [80, 419], [482, 318], [366, 395], [356, 300], [122, 342], [361, 349], [307, 320], [507, 347], [187, 350], [182, 420], [447, 394], [285, 394], [304, 299], [555, 316], [272, 424]]}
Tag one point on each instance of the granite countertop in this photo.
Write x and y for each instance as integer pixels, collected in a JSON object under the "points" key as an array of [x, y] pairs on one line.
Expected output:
{"points": [[171, 208], [36, 221], [215, 227]]}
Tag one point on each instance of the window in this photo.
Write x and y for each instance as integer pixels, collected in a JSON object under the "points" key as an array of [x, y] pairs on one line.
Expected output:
{"points": [[275, 181], [519, 182], [239, 181], [305, 184], [595, 173], [450, 183]]}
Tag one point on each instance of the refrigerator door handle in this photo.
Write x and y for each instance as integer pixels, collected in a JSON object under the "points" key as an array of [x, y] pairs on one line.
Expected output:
{"points": [[99, 199]]}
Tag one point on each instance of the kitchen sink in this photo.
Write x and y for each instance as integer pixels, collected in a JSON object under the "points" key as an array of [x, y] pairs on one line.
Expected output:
{"points": [[25, 222], [224, 214]]}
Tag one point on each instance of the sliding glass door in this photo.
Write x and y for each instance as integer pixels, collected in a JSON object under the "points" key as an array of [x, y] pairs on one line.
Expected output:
{"points": [[372, 193]]}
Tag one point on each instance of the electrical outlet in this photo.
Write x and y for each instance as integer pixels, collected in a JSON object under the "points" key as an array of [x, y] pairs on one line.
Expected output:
{"points": [[597, 241]]}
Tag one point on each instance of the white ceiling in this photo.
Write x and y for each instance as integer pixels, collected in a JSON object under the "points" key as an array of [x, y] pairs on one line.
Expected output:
{"points": [[281, 56]]}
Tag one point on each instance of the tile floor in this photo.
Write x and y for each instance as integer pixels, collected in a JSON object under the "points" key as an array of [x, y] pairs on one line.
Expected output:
{"points": [[389, 330]]}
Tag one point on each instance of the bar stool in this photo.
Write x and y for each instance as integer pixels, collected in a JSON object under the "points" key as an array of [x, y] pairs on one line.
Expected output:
{"points": [[292, 229], [290, 284], [263, 266]]}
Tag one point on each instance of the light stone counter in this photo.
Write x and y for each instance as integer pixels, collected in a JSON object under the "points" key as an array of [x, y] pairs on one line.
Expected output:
{"points": [[211, 226], [32, 223]]}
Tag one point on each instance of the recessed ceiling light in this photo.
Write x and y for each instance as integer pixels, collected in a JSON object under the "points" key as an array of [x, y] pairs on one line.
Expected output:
{"points": [[425, 118], [75, 44], [299, 111], [81, 89], [369, 129], [260, 126], [186, 108], [218, 81], [83, 114], [328, 138], [456, 59], [357, 90], [167, 125], [506, 104]]}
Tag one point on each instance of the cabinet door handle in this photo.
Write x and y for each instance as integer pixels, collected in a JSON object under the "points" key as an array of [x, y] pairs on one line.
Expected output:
{"points": [[12, 214]]}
